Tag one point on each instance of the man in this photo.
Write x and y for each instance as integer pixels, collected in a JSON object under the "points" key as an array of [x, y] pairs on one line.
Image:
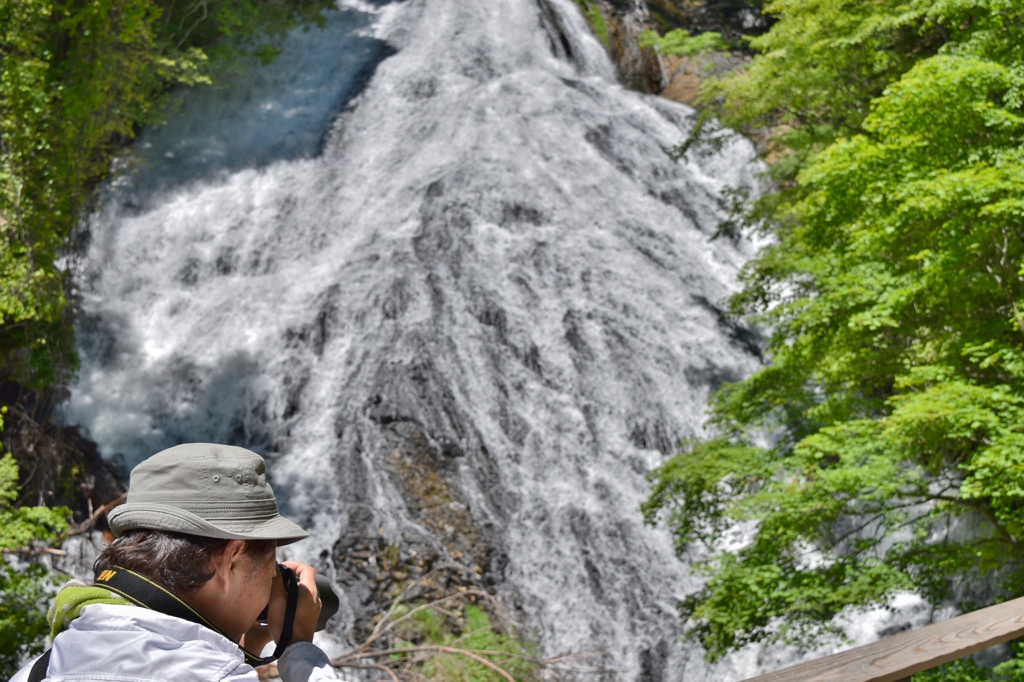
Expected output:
{"points": [[179, 591]]}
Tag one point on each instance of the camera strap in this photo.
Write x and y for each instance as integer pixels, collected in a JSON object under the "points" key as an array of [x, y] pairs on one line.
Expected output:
{"points": [[148, 594], [39, 668]]}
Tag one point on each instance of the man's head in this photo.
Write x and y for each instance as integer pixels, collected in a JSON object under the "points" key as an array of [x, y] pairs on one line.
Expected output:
{"points": [[230, 581], [207, 490], [201, 519]]}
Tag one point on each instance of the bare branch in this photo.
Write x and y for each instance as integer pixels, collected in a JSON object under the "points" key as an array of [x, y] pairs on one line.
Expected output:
{"points": [[28, 551], [86, 525], [383, 627], [198, 21], [472, 654]]}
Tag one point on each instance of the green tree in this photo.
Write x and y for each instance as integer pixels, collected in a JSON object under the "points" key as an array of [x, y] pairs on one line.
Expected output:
{"points": [[892, 402]]}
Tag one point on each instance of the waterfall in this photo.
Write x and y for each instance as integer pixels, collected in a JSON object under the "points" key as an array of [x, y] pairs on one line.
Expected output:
{"points": [[435, 264]]}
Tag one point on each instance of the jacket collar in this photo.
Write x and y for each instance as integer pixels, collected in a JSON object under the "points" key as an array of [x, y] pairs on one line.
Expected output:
{"points": [[109, 617]]}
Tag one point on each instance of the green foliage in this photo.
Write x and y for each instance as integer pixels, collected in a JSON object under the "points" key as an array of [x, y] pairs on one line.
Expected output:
{"points": [[478, 635], [22, 614], [77, 79], [222, 29], [969, 671], [681, 44], [20, 525], [892, 404], [820, 66], [596, 20], [957, 671], [22, 592]]}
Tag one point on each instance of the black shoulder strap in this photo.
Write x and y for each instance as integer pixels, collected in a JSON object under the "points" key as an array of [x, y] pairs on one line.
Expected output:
{"points": [[39, 668], [143, 592]]}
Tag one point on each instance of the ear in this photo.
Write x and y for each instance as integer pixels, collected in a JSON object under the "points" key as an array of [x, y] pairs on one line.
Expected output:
{"points": [[228, 563]]}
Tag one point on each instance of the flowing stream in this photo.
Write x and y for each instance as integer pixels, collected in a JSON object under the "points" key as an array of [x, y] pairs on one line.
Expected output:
{"points": [[435, 264]]}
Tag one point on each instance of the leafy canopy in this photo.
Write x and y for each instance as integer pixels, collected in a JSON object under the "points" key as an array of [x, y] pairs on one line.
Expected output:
{"points": [[893, 395]]}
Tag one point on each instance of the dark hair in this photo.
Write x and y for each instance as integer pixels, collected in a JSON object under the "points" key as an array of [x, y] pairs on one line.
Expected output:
{"points": [[177, 561]]}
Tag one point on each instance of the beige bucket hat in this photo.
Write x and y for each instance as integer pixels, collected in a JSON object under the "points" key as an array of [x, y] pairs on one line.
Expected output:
{"points": [[204, 489]]}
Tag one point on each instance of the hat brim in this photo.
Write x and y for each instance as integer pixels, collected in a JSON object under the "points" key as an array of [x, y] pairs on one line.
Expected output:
{"points": [[152, 516]]}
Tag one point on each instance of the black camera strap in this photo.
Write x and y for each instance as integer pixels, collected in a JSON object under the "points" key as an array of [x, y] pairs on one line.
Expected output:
{"points": [[143, 592], [39, 668]]}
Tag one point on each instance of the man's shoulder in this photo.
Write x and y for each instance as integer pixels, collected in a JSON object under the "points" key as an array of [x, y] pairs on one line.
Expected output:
{"points": [[22, 675], [132, 643]]}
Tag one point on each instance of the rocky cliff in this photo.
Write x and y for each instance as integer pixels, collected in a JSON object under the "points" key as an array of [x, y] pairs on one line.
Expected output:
{"points": [[619, 24]]}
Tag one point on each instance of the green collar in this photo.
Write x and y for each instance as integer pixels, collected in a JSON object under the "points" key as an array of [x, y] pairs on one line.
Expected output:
{"points": [[70, 601]]}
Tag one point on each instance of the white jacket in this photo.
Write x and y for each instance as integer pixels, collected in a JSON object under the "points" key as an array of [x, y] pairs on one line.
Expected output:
{"points": [[109, 643]]}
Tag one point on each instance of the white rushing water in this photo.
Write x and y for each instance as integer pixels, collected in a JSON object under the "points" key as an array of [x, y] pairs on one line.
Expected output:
{"points": [[486, 265]]}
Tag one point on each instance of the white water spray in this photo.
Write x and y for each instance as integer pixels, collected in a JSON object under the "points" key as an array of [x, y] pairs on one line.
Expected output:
{"points": [[487, 257]]}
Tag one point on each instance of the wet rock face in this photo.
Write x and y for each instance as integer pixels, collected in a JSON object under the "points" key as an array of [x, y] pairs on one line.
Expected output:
{"points": [[731, 18], [682, 76], [451, 551], [625, 20], [676, 78]]}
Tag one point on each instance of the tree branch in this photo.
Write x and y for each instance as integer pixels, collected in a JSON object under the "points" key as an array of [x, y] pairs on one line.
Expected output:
{"points": [[473, 654]]}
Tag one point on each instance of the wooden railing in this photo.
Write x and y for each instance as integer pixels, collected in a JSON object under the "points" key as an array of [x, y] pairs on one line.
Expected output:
{"points": [[896, 658]]}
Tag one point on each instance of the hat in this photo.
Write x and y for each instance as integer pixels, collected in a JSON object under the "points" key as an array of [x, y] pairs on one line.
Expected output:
{"points": [[204, 489]]}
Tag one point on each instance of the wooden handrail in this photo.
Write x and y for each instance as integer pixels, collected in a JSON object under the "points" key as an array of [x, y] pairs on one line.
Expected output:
{"points": [[896, 658]]}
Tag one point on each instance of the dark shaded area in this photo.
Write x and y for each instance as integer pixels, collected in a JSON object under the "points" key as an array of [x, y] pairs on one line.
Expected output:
{"points": [[741, 335], [58, 465], [601, 138], [732, 18], [581, 527], [679, 198], [560, 44], [652, 432], [519, 213], [652, 663], [98, 338], [316, 334], [259, 132], [711, 376]]}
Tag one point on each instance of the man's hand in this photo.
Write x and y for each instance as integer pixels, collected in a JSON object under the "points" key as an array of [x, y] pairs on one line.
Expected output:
{"points": [[256, 639], [306, 611]]}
